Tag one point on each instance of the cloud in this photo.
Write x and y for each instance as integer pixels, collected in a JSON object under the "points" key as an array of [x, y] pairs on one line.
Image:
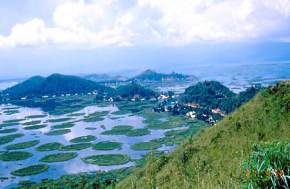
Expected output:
{"points": [[98, 23]]}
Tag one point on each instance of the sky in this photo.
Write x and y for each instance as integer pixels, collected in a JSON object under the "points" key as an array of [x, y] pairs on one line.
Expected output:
{"points": [[97, 36]]}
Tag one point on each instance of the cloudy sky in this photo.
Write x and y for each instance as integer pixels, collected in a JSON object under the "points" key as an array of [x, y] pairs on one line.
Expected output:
{"points": [[81, 36]]}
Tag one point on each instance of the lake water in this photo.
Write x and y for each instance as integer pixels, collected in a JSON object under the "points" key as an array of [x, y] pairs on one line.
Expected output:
{"points": [[75, 165]]}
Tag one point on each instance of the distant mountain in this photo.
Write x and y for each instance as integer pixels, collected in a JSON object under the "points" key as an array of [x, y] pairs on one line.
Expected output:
{"points": [[55, 84], [212, 94], [150, 75], [104, 77]]}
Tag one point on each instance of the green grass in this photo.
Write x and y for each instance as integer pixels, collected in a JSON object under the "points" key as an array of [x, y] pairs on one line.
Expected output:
{"points": [[213, 158], [59, 157], [15, 156], [59, 120], [107, 145], [107, 159], [118, 130], [6, 131], [22, 145], [9, 138], [151, 145], [30, 170], [76, 147], [87, 138], [35, 127], [49, 147], [63, 126], [58, 132], [138, 132], [35, 122], [35, 116]]}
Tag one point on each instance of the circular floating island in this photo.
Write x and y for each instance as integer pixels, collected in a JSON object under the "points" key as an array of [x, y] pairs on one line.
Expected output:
{"points": [[107, 145], [15, 156], [30, 170], [107, 159], [59, 157]]}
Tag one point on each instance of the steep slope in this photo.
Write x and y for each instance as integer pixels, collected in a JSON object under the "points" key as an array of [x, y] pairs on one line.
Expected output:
{"points": [[212, 159], [55, 84]]}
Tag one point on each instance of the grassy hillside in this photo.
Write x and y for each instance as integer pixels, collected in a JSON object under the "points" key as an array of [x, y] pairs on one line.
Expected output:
{"points": [[213, 158]]}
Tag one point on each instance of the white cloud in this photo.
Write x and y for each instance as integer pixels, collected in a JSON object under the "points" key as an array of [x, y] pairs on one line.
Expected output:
{"points": [[100, 23]]}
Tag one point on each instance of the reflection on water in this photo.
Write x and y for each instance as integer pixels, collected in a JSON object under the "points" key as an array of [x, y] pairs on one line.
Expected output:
{"points": [[75, 165]]}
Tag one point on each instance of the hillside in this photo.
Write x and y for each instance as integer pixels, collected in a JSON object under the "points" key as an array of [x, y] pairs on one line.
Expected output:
{"points": [[213, 158], [55, 84], [150, 75]]}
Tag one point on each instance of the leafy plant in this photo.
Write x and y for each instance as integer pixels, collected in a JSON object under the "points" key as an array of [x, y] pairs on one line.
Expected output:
{"points": [[268, 167]]}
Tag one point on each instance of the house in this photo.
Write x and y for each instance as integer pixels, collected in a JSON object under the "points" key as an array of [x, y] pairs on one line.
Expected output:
{"points": [[191, 114]]}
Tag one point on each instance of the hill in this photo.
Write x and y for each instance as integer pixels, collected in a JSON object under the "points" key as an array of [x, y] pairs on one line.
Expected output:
{"points": [[213, 158], [212, 95], [134, 90], [55, 84], [150, 75]]}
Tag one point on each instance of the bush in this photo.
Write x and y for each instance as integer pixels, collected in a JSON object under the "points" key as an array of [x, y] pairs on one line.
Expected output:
{"points": [[268, 167]]}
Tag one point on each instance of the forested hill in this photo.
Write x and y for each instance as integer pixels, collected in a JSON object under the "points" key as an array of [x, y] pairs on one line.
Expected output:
{"points": [[214, 157], [150, 75], [55, 84], [212, 94]]}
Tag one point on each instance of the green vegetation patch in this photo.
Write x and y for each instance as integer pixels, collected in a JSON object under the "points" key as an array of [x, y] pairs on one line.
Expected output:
{"points": [[10, 112], [87, 138], [107, 159], [59, 157], [5, 131], [76, 114], [15, 156], [35, 127], [59, 120], [138, 132], [94, 117], [9, 138], [49, 147], [58, 132], [268, 166], [36, 116], [8, 124], [121, 112], [22, 145], [90, 128], [13, 120], [76, 147], [118, 130], [172, 122], [63, 126], [30, 170], [35, 122], [107, 145], [151, 145]]}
